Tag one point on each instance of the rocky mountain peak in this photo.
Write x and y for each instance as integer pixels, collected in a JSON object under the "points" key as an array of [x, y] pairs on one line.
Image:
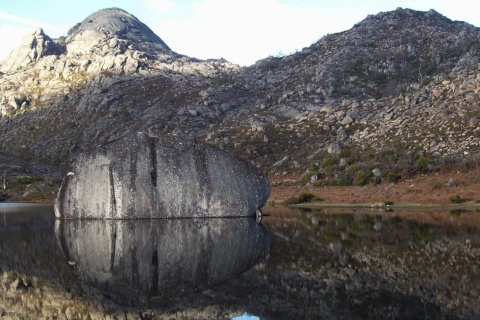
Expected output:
{"points": [[107, 44], [381, 56], [35, 45], [407, 18], [404, 83], [108, 24]]}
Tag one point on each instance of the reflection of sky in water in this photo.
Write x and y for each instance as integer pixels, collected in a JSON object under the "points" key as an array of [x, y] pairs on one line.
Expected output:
{"points": [[246, 316]]}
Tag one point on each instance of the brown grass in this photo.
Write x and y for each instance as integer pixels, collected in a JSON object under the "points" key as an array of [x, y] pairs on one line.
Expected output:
{"points": [[431, 189]]}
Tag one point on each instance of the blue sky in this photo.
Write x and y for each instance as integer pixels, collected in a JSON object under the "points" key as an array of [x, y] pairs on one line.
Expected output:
{"points": [[241, 31]]}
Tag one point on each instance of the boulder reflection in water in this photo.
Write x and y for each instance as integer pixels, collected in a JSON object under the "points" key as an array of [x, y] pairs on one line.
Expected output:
{"points": [[139, 261]]}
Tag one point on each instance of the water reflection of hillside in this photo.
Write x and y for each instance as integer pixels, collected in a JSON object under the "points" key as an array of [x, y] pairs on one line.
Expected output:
{"points": [[27, 241], [334, 264], [411, 257], [399, 228]]}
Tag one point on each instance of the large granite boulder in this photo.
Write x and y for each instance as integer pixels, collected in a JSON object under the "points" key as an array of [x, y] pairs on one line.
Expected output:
{"points": [[142, 176]]}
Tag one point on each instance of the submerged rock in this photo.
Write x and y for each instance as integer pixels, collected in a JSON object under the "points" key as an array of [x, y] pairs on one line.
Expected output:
{"points": [[140, 176]]}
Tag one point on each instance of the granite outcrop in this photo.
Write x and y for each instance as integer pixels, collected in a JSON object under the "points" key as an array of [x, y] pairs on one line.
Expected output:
{"points": [[143, 176]]}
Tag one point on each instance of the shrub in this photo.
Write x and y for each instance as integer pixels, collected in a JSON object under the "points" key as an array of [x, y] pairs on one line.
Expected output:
{"points": [[310, 175], [391, 177], [422, 164], [124, 113], [302, 198], [344, 180], [305, 197], [360, 178], [314, 166], [219, 134], [455, 198], [328, 163], [354, 169]]}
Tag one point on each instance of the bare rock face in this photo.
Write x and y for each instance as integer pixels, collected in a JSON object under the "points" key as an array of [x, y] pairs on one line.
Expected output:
{"points": [[109, 43], [34, 46], [141, 176], [111, 23]]}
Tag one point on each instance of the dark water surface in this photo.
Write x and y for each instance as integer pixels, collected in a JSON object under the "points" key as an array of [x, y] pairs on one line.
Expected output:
{"points": [[295, 264]]}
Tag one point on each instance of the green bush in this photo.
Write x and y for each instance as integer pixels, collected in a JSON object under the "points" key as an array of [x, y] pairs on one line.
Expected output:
{"points": [[305, 197], [307, 177], [302, 198], [391, 177], [360, 178], [345, 153], [342, 181], [455, 198], [328, 163], [124, 113], [422, 164], [354, 169], [314, 166]]}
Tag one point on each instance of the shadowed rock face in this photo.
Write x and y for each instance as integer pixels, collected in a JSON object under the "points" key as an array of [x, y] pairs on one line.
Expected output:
{"points": [[140, 176], [135, 261]]}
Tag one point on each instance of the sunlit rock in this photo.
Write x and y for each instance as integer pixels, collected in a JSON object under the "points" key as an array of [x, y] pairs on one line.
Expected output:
{"points": [[35, 45], [140, 176], [115, 25]]}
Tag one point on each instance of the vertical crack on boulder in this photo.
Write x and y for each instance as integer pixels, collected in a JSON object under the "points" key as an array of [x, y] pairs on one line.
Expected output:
{"points": [[201, 168], [133, 187], [155, 271], [152, 148], [113, 200], [113, 246]]}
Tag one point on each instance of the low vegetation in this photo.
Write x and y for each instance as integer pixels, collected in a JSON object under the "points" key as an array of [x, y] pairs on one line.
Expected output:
{"points": [[455, 199], [31, 189], [303, 198]]}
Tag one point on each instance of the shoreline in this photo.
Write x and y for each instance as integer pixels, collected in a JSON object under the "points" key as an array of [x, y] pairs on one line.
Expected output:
{"points": [[379, 206], [421, 191]]}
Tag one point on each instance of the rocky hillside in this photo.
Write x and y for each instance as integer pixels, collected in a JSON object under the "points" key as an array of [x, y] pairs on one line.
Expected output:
{"points": [[396, 95], [109, 43]]}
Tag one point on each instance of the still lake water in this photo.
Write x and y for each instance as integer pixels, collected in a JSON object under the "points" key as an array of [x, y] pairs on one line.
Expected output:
{"points": [[295, 264]]}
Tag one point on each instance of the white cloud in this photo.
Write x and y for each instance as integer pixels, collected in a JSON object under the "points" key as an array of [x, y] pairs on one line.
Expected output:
{"points": [[13, 28], [160, 5], [10, 38], [33, 24], [243, 31]]}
